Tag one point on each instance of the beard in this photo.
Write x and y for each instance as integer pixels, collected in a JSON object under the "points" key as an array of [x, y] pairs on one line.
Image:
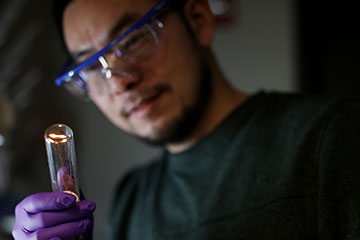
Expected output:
{"points": [[183, 126]]}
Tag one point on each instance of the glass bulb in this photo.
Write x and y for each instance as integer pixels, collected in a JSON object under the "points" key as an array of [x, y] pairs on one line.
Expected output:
{"points": [[60, 148]]}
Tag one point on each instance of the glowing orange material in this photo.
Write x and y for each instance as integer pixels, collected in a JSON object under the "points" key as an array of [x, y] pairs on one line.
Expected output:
{"points": [[57, 138]]}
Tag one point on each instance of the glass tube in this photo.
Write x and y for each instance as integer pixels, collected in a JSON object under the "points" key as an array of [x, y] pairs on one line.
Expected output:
{"points": [[60, 148]]}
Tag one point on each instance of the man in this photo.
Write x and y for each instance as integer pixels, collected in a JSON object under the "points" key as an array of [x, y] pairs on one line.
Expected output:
{"points": [[266, 166]]}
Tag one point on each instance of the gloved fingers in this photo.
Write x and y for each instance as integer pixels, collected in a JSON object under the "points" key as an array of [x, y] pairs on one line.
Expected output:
{"points": [[80, 210], [46, 201], [63, 231]]}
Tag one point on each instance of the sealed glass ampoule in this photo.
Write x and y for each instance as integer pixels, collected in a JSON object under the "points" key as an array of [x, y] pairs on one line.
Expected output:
{"points": [[60, 148]]}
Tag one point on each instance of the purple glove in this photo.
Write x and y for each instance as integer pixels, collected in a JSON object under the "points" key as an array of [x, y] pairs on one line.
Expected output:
{"points": [[53, 215]]}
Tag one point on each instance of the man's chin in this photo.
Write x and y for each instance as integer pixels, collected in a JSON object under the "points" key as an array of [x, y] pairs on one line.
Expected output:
{"points": [[162, 134], [157, 138], [155, 142]]}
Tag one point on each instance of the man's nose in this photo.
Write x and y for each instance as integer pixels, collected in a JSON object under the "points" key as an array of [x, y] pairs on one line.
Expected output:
{"points": [[119, 81]]}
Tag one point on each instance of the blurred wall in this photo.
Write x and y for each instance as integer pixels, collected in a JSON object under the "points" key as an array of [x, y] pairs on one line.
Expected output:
{"points": [[259, 51]]}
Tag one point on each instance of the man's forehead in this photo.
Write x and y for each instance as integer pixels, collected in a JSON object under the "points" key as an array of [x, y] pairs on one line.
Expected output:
{"points": [[93, 22], [101, 11], [109, 4]]}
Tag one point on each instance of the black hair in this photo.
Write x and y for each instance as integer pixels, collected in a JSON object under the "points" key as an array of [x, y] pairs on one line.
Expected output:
{"points": [[58, 8]]}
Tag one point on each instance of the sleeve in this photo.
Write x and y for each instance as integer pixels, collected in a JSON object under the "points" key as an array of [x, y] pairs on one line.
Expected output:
{"points": [[339, 174]]}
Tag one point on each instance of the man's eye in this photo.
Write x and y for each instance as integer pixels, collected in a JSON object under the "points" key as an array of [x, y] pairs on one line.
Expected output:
{"points": [[93, 67], [133, 42]]}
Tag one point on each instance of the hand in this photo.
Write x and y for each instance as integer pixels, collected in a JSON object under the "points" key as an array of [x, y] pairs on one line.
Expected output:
{"points": [[53, 215]]}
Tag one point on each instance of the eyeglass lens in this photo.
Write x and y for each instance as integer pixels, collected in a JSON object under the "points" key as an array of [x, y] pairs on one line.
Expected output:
{"points": [[135, 49]]}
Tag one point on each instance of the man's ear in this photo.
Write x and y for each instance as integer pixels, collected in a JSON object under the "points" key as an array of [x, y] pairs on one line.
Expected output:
{"points": [[201, 20]]}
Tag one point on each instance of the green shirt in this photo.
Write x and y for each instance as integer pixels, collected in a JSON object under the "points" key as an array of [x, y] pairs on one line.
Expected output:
{"points": [[278, 167]]}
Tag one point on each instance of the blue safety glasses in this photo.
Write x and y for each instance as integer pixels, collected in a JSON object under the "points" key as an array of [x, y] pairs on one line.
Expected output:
{"points": [[133, 45]]}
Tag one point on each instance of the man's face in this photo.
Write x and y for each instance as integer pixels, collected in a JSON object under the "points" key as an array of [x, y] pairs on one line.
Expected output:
{"points": [[164, 92]]}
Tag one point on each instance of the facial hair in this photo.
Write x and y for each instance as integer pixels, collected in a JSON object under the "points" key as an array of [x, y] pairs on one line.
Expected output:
{"points": [[187, 122]]}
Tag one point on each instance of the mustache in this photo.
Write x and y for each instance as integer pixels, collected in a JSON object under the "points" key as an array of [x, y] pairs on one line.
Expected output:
{"points": [[135, 98]]}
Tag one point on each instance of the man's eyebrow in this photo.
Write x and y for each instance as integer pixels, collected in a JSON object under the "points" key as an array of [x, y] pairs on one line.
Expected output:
{"points": [[124, 21], [76, 55], [121, 23]]}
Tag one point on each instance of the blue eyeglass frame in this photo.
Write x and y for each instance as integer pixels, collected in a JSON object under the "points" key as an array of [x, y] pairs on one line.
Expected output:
{"points": [[63, 76]]}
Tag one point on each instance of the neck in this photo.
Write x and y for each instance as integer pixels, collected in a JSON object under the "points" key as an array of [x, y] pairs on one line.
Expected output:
{"points": [[223, 100]]}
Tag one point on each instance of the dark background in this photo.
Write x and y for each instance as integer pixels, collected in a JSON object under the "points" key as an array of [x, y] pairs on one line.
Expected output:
{"points": [[328, 38]]}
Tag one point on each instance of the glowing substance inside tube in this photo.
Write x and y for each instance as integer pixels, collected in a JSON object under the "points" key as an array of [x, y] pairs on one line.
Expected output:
{"points": [[57, 138], [60, 148]]}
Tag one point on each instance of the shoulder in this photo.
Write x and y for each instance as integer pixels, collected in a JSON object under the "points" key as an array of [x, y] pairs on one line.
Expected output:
{"points": [[339, 147], [300, 111], [338, 168], [298, 104], [313, 131]]}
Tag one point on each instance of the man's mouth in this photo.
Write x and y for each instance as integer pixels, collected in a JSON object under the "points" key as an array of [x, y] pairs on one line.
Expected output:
{"points": [[144, 106], [141, 104]]}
